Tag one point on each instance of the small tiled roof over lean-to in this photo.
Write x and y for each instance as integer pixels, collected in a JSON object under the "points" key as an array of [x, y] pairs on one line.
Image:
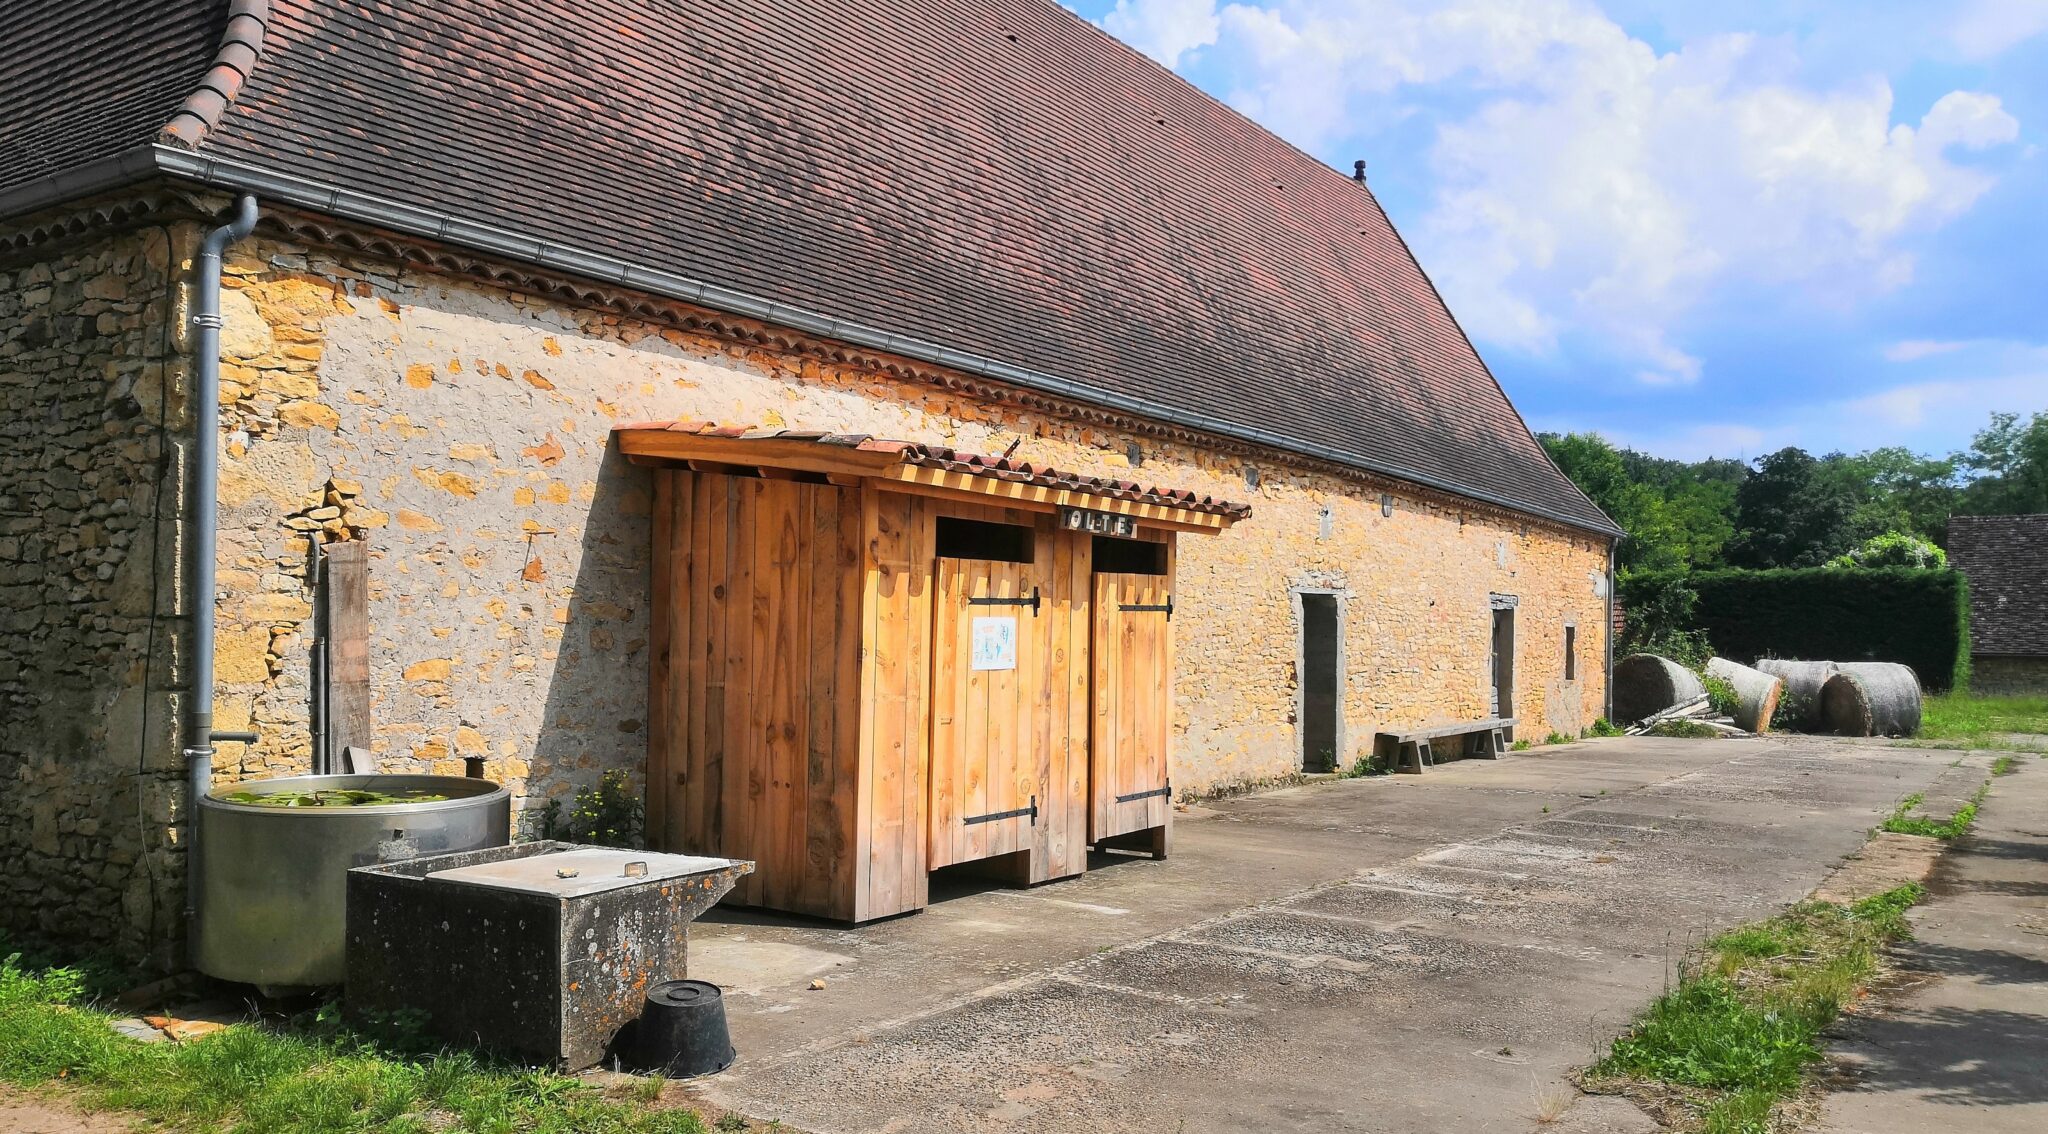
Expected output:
{"points": [[2005, 559], [950, 460], [996, 178]]}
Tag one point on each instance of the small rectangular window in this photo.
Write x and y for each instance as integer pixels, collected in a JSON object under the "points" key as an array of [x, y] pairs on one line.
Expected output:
{"points": [[1571, 653], [1129, 556], [979, 539]]}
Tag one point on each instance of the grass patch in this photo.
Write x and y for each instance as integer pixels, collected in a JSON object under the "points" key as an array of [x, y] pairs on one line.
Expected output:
{"points": [[1902, 822], [312, 1077], [1362, 767], [1742, 1025], [1601, 726], [2005, 765], [1969, 721], [1683, 729]]}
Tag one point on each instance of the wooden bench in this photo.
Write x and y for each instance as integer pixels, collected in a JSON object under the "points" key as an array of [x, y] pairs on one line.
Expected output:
{"points": [[1410, 751]]}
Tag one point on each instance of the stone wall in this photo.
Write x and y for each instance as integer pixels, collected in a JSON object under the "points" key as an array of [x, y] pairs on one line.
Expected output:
{"points": [[2008, 677], [462, 429], [90, 778]]}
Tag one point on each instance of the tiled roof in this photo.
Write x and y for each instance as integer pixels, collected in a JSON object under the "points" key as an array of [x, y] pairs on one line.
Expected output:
{"points": [[994, 180], [2005, 558], [954, 460], [85, 79]]}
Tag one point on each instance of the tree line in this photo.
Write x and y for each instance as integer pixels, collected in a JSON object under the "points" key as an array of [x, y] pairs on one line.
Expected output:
{"points": [[1887, 506]]}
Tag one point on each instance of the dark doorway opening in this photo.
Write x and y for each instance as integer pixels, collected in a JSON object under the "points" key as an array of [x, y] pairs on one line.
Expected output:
{"points": [[1129, 557], [1504, 662], [1319, 683], [979, 539]]}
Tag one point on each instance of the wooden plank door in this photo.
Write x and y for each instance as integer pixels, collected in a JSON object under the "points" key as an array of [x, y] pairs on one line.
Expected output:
{"points": [[1133, 666], [989, 649]]}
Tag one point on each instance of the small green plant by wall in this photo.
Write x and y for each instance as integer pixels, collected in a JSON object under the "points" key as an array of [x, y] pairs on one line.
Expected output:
{"points": [[611, 814]]}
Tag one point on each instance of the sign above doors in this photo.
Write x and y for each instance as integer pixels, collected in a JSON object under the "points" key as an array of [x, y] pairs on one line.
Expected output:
{"points": [[1099, 523]]}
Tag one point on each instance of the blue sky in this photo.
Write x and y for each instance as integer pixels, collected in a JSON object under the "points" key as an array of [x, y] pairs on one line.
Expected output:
{"points": [[1696, 228]]}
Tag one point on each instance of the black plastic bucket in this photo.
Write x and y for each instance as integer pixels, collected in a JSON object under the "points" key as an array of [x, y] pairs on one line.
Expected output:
{"points": [[681, 1032]]}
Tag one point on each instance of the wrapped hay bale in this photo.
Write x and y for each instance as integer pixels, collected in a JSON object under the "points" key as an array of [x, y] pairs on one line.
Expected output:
{"points": [[1645, 685], [1803, 680], [1756, 693], [1871, 699]]}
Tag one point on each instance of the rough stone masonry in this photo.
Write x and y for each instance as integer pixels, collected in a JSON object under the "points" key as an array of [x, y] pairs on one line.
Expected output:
{"points": [[457, 419]]}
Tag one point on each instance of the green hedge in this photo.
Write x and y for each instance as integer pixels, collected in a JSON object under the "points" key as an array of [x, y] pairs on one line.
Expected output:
{"points": [[1918, 618]]}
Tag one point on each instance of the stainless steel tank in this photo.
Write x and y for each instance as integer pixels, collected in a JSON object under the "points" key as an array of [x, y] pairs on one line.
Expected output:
{"points": [[272, 880]]}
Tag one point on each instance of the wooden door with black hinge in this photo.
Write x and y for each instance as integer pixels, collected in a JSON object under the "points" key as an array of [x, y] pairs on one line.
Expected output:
{"points": [[1133, 665], [989, 669]]}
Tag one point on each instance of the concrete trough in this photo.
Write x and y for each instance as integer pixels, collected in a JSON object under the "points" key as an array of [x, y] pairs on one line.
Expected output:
{"points": [[541, 951]]}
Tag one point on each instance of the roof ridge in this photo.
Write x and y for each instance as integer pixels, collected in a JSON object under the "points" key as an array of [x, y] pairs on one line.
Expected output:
{"points": [[241, 45]]}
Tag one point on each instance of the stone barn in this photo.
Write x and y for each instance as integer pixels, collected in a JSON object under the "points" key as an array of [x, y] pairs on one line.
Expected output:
{"points": [[483, 240], [2005, 560]]}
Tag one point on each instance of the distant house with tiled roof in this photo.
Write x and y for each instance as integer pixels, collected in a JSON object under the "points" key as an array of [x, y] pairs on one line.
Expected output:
{"points": [[2005, 559], [487, 232]]}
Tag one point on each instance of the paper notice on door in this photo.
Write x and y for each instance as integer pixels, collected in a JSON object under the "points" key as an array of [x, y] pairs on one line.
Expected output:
{"points": [[995, 643]]}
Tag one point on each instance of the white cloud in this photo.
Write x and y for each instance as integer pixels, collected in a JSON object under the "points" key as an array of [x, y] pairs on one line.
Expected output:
{"points": [[1928, 417], [1163, 29], [1587, 186], [1913, 350], [1986, 28]]}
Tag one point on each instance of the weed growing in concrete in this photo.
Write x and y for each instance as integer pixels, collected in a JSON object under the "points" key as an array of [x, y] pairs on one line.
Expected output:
{"points": [[2005, 766], [1558, 738], [1601, 726], [311, 1078], [1742, 1025], [1519, 746], [1361, 767], [1683, 729], [1901, 822]]}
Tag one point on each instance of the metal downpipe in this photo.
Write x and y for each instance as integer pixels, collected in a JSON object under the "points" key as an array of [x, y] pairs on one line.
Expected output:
{"points": [[201, 550]]}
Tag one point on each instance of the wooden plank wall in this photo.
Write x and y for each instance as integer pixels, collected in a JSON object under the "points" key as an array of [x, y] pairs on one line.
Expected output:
{"points": [[753, 742], [1064, 710], [895, 680]]}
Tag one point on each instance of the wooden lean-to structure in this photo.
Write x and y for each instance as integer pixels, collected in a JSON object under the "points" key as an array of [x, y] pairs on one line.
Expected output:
{"points": [[872, 659]]}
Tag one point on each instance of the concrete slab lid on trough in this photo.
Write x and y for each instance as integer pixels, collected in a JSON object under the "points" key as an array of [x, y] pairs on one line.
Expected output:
{"points": [[595, 871]]}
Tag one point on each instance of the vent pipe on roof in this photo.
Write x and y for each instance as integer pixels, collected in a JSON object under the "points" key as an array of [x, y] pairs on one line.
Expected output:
{"points": [[1358, 171], [202, 508]]}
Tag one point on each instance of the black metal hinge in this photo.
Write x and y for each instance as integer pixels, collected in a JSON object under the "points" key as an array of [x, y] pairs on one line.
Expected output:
{"points": [[991, 600], [993, 816], [1166, 606], [1137, 795]]}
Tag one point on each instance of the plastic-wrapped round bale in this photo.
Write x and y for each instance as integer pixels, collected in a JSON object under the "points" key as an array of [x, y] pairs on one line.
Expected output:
{"points": [[1645, 685], [1872, 699], [1756, 693], [1803, 680]]}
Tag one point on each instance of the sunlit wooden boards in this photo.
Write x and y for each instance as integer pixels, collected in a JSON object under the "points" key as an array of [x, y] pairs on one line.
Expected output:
{"points": [[851, 700], [1128, 737], [755, 712]]}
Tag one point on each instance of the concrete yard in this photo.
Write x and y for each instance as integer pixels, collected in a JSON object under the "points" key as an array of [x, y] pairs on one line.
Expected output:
{"points": [[1431, 953]]}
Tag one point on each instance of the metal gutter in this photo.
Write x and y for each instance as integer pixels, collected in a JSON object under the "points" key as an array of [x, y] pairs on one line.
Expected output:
{"points": [[202, 542], [124, 168], [348, 204]]}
